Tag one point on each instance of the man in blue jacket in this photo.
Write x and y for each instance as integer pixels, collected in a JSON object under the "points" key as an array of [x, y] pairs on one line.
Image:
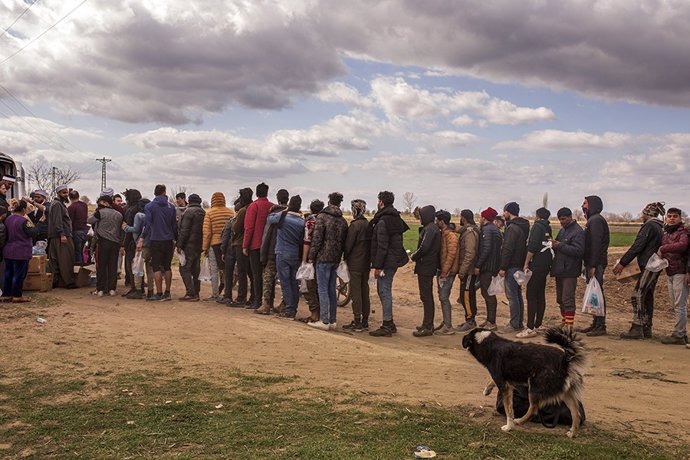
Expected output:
{"points": [[161, 229]]}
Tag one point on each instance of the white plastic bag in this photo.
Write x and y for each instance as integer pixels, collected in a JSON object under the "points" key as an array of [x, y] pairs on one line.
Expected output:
{"points": [[497, 286], [522, 278], [593, 301], [343, 272], [181, 257], [656, 264], [205, 273], [303, 288], [305, 271], [138, 264]]}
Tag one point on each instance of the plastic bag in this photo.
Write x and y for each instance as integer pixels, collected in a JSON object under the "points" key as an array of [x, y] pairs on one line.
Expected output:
{"points": [[138, 264], [593, 301], [205, 273], [303, 287], [497, 286], [656, 264], [305, 271], [521, 277], [343, 272], [181, 257]]}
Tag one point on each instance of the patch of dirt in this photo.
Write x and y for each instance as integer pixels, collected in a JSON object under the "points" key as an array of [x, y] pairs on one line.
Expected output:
{"points": [[88, 338]]}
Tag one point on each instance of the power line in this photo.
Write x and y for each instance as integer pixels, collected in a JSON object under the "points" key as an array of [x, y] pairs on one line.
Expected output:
{"points": [[42, 33], [104, 161], [35, 134], [18, 18]]}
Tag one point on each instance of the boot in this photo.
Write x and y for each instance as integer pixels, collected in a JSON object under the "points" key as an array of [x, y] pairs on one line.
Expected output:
{"points": [[597, 331], [647, 332], [263, 310], [587, 329], [636, 332]]}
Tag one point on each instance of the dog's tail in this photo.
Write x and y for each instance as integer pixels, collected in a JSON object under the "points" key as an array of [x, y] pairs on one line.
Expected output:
{"points": [[574, 350]]}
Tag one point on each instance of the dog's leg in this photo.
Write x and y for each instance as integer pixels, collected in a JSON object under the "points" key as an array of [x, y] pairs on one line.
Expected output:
{"points": [[531, 410], [490, 385], [507, 393], [574, 408]]}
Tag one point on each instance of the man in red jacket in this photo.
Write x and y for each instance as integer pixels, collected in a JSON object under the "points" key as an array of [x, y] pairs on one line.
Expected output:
{"points": [[254, 223]]}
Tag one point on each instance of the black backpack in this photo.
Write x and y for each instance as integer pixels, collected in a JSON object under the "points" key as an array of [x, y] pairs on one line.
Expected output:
{"points": [[549, 416]]}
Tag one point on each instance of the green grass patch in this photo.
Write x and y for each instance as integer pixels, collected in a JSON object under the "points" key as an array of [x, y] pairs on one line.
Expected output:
{"points": [[250, 416], [622, 239]]}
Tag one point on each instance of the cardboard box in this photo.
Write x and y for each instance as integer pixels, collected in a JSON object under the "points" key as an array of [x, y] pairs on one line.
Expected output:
{"points": [[82, 278], [37, 264], [38, 282], [630, 272]]}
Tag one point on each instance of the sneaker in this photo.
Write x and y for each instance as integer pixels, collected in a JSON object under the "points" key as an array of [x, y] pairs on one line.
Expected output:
{"points": [[489, 326], [527, 333], [135, 295], [112, 293], [445, 330], [365, 326], [154, 297], [332, 327], [467, 326], [320, 325], [97, 293], [238, 304], [541, 329], [392, 328], [251, 306], [439, 327], [283, 315], [223, 300], [188, 298], [511, 330], [597, 331], [383, 331], [165, 297], [424, 332], [353, 326], [674, 340], [211, 298], [128, 292]]}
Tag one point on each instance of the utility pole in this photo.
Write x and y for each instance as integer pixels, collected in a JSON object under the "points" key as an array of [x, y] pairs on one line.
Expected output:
{"points": [[103, 162]]}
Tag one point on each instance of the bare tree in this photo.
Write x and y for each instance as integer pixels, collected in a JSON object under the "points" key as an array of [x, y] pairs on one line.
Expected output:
{"points": [[578, 214], [456, 212], [46, 177], [409, 199], [174, 190], [627, 216]]}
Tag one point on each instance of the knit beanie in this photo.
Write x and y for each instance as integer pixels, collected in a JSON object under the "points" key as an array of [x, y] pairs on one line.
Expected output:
{"points": [[489, 214], [512, 208], [194, 198], [654, 209]]}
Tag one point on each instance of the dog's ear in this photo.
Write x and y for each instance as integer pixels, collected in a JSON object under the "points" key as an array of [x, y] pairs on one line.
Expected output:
{"points": [[467, 340]]}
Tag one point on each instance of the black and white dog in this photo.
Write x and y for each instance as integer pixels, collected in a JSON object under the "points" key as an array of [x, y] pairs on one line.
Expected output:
{"points": [[552, 374]]}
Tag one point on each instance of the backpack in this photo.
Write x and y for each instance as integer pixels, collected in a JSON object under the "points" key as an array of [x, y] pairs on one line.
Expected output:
{"points": [[549, 416]]}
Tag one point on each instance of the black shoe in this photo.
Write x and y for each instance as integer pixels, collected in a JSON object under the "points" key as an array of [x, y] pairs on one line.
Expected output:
{"points": [[424, 332], [597, 331], [224, 300], [365, 326], [585, 330], [354, 326], [647, 332], [154, 297], [238, 304], [635, 332], [135, 295], [383, 331], [392, 327], [165, 297], [251, 306], [128, 293]]}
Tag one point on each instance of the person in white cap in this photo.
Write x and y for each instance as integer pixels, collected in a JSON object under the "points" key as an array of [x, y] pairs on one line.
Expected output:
{"points": [[60, 244], [9, 181]]}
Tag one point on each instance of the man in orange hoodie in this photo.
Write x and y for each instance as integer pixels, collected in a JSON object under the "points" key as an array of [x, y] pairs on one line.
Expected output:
{"points": [[214, 221]]}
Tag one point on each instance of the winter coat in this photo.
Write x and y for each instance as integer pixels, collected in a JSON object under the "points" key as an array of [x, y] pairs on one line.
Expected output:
{"points": [[568, 260], [489, 255], [137, 228], [215, 220], [226, 236], [268, 240], [469, 245], [254, 223], [647, 242], [596, 235], [514, 248], [358, 246], [107, 224], [190, 238], [329, 236], [450, 252], [387, 250], [539, 233], [238, 228], [161, 222], [20, 233], [59, 223], [289, 234], [426, 257], [3, 237], [674, 248]]}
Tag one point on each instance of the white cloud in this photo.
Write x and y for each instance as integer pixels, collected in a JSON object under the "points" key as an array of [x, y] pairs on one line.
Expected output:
{"points": [[552, 139], [341, 92]]}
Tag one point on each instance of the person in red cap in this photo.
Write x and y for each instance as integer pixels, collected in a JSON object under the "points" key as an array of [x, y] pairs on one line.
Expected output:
{"points": [[488, 262]]}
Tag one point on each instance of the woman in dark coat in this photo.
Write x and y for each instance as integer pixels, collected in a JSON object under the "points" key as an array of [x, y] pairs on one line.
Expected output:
{"points": [[17, 252]]}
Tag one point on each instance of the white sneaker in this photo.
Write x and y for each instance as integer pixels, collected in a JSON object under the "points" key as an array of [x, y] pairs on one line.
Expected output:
{"points": [[320, 325], [112, 293], [332, 327], [526, 334], [541, 329], [98, 293]]}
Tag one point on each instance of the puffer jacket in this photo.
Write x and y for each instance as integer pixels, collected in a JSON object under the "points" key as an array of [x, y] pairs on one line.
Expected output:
{"points": [[358, 246], [674, 248], [647, 242], [514, 247], [426, 257], [450, 252], [189, 237], [329, 236], [539, 233], [489, 255], [596, 235], [215, 220], [469, 245], [568, 260], [387, 249]]}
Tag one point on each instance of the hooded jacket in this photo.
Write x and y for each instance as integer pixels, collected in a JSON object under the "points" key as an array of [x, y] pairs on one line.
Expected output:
{"points": [[358, 246], [215, 220], [489, 255], [647, 242], [568, 260], [387, 249], [254, 223], [191, 229], [467, 253], [426, 257], [134, 207], [674, 248], [161, 222], [329, 236], [450, 252], [269, 238], [596, 235], [514, 248], [539, 233]]}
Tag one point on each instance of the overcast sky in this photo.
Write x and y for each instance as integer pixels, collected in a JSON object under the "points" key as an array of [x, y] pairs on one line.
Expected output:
{"points": [[466, 104]]}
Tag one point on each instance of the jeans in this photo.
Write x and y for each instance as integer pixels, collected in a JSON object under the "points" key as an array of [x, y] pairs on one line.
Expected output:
{"points": [[359, 289], [189, 272], [444, 288], [678, 293], [536, 298], [643, 298], [15, 273], [515, 301], [599, 275], [490, 300], [257, 275], [468, 296], [565, 297], [79, 237], [287, 274], [328, 298], [384, 288]]}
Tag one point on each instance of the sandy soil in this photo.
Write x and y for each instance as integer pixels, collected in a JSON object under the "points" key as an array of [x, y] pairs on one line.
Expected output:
{"points": [[638, 387]]}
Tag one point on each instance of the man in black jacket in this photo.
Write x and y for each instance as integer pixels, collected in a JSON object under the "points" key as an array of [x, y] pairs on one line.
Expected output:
{"points": [[596, 255], [426, 259], [358, 257], [513, 253], [190, 241], [488, 263], [387, 255], [569, 246], [646, 244]]}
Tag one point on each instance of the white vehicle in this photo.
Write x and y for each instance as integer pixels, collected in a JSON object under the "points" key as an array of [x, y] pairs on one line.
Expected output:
{"points": [[14, 168]]}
